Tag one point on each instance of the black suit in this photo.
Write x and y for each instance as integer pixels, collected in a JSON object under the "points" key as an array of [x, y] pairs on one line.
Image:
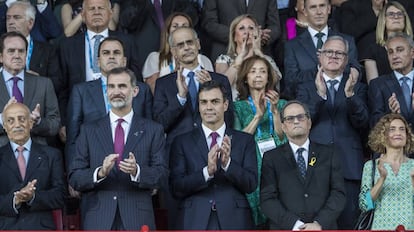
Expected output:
{"points": [[45, 164], [286, 197]]}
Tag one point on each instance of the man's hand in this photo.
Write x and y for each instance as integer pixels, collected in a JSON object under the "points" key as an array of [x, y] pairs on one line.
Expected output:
{"points": [[62, 134], [350, 84], [203, 76], [225, 151], [12, 100], [311, 226], [265, 36], [320, 83], [212, 159], [26, 193], [107, 165], [181, 85], [129, 165], [35, 115], [394, 104]]}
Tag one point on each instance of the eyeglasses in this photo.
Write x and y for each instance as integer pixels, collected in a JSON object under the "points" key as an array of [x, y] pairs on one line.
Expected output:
{"points": [[299, 117], [332, 53], [397, 15], [189, 43]]}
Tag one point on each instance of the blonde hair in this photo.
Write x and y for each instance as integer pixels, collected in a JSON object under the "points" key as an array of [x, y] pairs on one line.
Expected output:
{"points": [[231, 47]]}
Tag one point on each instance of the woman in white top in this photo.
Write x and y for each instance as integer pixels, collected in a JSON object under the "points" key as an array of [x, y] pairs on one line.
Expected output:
{"points": [[161, 63]]}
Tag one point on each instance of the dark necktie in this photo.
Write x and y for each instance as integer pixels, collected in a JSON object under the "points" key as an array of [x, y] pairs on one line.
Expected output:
{"points": [[95, 66], [119, 140], [406, 91], [16, 91], [332, 90], [21, 161], [158, 12], [319, 42], [192, 88], [301, 162], [214, 136]]}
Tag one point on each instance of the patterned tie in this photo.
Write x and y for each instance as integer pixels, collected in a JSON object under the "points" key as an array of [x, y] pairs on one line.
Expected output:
{"points": [[332, 90], [158, 12], [301, 162], [319, 42], [16, 91], [406, 91], [21, 161], [214, 136], [97, 38], [192, 88], [119, 140]]}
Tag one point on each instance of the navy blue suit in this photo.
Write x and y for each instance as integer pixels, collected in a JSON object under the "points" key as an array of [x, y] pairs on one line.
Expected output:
{"points": [[45, 164], [301, 56], [100, 201], [189, 154]]}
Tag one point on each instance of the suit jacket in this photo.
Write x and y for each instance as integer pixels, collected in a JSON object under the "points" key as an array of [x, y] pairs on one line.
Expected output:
{"points": [[133, 199], [189, 157], [45, 164], [87, 104], [301, 57], [217, 16], [286, 197], [340, 124], [37, 90], [178, 119], [379, 91], [72, 63]]}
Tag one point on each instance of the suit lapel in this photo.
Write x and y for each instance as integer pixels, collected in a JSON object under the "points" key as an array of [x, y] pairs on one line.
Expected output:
{"points": [[290, 159], [103, 135], [306, 41], [4, 94], [80, 45], [96, 93], [312, 158], [35, 159], [135, 135], [201, 144], [29, 90], [10, 160]]}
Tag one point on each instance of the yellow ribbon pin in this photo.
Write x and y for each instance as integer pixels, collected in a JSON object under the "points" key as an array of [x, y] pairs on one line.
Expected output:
{"points": [[312, 161]]}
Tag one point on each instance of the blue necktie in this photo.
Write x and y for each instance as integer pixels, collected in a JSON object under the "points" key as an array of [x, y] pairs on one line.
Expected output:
{"points": [[406, 91], [95, 66], [301, 162], [332, 90], [192, 88]]}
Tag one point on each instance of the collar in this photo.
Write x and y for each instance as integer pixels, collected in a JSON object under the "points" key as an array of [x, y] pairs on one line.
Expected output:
{"points": [[27, 145], [410, 75], [296, 147], [127, 118], [104, 79], [313, 31], [338, 78], [8, 75], [207, 131], [28, 38], [186, 71], [91, 34]]}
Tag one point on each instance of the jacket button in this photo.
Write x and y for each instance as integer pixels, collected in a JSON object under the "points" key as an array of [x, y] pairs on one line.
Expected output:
{"points": [[305, 195], [115, 198]]}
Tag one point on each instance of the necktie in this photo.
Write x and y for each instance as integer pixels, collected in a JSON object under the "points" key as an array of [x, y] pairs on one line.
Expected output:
{"points": [[301, 162], [97, 38], [158, 12], [406, 91], [192, 88], [319, 42], [21, 162], [214, 136], [119, 140], [16, 91], [332, 90]]}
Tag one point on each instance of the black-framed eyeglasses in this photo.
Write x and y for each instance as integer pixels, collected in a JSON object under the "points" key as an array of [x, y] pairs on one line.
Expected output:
{"points": [[398, 14], [181, 45], [299, 117], [333, 53]]}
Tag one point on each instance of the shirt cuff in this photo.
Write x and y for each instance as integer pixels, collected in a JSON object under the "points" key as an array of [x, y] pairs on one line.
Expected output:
{"points": [[15, 207], [370, 202], [182, 100], [205, 174], [298, 224], [136, 177], [95, 176], [227, 166]]}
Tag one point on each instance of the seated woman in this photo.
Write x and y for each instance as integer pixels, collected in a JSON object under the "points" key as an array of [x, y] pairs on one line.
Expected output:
{"points": [[244, 42], [161, 63], [393, 190], [257, 113]]}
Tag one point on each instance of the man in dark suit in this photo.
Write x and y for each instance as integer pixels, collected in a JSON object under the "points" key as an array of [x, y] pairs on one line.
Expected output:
{"points": [[88, 101], [174, 106], [339, 112], [77, 56], [302, 187], [392, 93], [301, 52], [212, 168], [32, 183], [218, 15], [41, 58], [119, 159], [35, 92]]}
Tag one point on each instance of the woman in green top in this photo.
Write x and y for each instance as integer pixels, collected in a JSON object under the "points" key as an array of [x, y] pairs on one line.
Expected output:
{"points": [[257, 113]]}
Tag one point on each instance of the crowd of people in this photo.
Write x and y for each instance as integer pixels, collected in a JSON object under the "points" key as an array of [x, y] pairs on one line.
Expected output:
{"points": [[228, 115]]}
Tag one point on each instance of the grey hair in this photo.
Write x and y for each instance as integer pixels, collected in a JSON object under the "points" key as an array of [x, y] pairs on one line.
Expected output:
{"points": [[170, 37], [30, 11]]}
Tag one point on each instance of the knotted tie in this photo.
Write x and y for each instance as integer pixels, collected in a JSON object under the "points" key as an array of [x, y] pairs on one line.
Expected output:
{"points": [[319, 42], [214, 136], [332, 90], [158, 12], [16, 91], [192, 88], [406, 91], [97, 38], [21, 161], [301, 162], [119, 140]]}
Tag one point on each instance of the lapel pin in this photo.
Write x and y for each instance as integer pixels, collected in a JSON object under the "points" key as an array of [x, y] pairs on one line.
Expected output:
{"points": [[312, 161]]}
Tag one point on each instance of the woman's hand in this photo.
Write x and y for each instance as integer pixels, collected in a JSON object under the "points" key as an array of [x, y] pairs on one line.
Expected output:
{"points": [[381, 169], [260, 105], [273, 97]]}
